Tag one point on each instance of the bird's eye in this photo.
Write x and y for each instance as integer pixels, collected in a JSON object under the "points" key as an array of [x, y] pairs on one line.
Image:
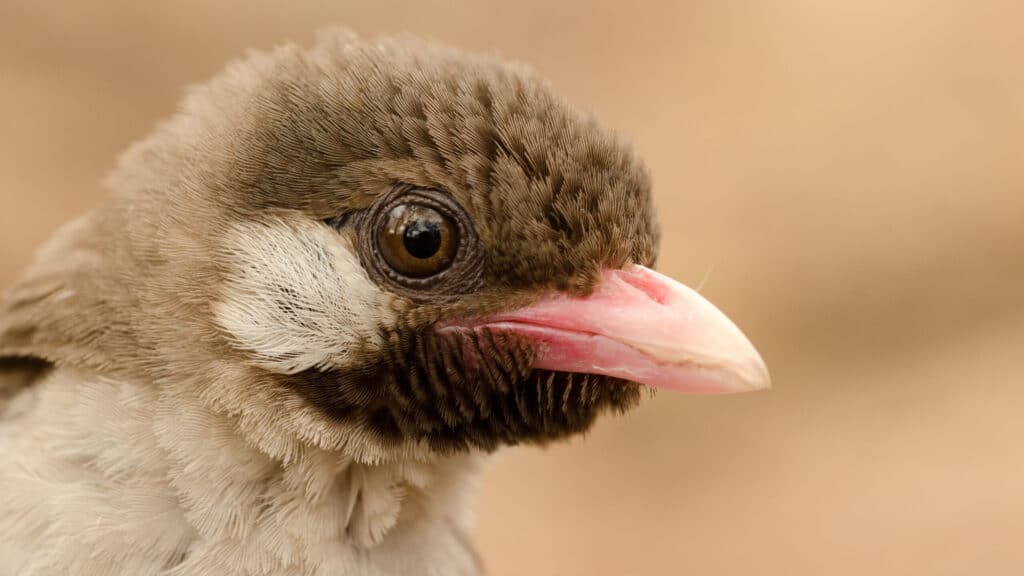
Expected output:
{"points": [[418, 241]]}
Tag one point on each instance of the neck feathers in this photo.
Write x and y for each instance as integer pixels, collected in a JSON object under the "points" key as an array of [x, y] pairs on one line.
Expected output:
{"points": [[148, 478]]}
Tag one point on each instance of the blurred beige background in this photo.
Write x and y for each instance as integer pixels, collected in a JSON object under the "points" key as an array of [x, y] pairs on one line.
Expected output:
{"points": [[845, 179]]}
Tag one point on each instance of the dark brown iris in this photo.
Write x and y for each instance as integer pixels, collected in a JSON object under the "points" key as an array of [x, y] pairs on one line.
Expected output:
{"points": [[421, 244], [418, 241]]}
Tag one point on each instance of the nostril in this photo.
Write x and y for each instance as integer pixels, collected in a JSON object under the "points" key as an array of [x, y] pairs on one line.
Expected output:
{"points": [[645, 281]]}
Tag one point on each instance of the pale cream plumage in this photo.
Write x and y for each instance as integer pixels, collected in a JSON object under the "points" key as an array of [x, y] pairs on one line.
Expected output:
{"points": [[116, 478]]}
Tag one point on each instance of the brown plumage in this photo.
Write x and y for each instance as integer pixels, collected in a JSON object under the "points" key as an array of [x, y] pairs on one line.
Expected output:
{"points": [[234, 280]]}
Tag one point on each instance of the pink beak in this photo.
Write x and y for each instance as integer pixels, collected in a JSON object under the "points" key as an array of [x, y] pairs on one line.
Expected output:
{"points": [[641, 326]]}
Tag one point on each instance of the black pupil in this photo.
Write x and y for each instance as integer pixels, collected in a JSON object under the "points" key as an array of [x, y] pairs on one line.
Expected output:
{"points": [[422, 238]]}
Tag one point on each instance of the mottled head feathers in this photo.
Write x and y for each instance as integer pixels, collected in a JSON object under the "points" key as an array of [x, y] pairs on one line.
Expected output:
{"points": [[231, 263]]}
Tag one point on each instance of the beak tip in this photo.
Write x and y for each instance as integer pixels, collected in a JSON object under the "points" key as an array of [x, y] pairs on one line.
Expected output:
{"points": [[749, 376], [757, 376]]}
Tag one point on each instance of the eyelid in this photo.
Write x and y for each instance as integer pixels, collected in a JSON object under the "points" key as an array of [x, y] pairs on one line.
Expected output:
{"points": [[340, 221]]}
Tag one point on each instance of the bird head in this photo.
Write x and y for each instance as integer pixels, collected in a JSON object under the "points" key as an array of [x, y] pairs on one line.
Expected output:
{"points": [[393, 247]]}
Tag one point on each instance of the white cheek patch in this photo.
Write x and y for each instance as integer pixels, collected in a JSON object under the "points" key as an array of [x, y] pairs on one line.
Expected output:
{"points": [[296, 296]]}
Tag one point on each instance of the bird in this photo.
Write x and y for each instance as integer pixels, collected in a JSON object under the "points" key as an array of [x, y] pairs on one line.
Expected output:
{"points": [[314, 300]]}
